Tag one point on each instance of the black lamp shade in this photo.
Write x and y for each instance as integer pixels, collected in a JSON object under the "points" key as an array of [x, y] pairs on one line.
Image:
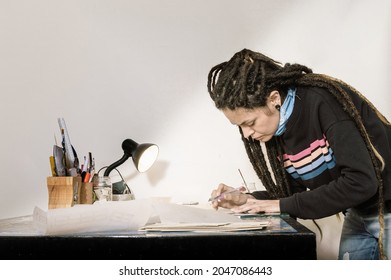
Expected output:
{"points": [[144, 155]]}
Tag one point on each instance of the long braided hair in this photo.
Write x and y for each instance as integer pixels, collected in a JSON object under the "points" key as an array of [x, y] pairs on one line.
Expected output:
{"points": [[246, 80]]}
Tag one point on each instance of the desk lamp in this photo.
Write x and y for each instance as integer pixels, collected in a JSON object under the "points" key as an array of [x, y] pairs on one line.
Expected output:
{"points": [[143, 155]]}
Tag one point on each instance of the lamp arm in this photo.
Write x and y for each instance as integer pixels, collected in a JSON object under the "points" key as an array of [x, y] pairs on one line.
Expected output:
{"points": [[115, 164]]}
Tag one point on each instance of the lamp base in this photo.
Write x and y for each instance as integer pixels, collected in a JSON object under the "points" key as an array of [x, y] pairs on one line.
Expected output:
{"points": [[123, 197], [121, 191]]}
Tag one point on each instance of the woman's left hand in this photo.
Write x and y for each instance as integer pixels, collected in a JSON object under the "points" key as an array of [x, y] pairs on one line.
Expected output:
{"points": [[253, 206]]}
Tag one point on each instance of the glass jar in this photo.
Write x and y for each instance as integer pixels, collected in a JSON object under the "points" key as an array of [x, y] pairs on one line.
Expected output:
{"points": [[103, 188]]}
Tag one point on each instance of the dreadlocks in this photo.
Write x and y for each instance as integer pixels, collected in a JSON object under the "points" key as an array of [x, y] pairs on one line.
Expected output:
{"points": [[247, 79]]}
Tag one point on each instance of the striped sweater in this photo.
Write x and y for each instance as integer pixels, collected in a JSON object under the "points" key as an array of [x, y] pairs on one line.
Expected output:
{"points": [[327, 160]]}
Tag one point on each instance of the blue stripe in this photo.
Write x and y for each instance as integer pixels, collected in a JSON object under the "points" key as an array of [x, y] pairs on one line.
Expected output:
{"points": [[315, 171], [312, 165]]}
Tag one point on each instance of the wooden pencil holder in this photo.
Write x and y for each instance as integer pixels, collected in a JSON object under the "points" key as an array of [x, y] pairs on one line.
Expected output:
{"points": [[64, 191], [86, 193]]}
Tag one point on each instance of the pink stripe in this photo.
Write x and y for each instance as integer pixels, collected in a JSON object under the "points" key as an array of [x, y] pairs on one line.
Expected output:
{"points": [[314, 145]]}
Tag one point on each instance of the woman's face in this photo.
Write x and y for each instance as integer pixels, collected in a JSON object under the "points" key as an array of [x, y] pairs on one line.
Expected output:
{"points": [[259, 123]]}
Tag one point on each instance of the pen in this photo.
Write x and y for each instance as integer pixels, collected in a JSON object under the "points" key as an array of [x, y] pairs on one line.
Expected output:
{"points": [[84, 170], [92, 169], [86, 177], [240, 189], [52, 166], [90, 163], [241, 175]]}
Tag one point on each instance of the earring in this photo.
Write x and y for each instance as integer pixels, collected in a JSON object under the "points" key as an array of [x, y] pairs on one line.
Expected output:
{"points": [[278, 107]]}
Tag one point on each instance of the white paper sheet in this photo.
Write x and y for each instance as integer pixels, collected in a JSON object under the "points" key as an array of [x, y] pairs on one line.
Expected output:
{"points": [[122, 216], [207, 227], [108, 216], [174, 213]]}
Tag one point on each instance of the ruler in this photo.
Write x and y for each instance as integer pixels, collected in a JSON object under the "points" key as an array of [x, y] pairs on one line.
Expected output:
{"points": [[69, 155]]}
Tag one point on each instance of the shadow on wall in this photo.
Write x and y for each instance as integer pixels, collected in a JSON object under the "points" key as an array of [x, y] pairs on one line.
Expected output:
{"points": [[327, 247], [155, 174]]}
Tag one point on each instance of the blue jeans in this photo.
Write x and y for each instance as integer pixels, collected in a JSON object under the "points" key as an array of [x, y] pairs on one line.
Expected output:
{"points": [[360, 233]]}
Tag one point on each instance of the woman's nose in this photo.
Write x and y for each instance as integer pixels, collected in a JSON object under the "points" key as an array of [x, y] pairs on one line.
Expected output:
{"points": [[247, 132]]}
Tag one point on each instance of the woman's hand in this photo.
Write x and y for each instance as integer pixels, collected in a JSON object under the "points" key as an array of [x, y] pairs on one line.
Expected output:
{"points": [[255, 206], [228, 200]]}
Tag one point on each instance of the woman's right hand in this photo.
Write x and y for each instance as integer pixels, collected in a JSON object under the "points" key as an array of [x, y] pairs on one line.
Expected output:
{"points": [[228, 200]]}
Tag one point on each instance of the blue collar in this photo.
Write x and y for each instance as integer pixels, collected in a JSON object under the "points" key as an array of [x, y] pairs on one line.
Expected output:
{"points": [[286, 111]]}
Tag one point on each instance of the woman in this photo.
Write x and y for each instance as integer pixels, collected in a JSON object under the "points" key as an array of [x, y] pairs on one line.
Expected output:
{"points": [[327, 147]]}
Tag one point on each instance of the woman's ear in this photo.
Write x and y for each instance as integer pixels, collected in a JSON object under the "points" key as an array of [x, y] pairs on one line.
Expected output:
{"points": [[274, 100]]}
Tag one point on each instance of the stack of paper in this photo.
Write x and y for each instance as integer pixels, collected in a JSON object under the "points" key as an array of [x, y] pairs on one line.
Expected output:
{"points": [[206, 227]]}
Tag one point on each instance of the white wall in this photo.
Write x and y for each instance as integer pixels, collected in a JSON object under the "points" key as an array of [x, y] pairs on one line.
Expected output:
{"points": [[138, 69]]}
